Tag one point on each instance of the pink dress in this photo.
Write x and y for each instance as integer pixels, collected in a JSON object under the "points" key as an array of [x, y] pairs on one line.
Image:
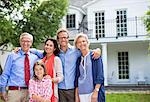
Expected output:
{"points": [[42, 88]]}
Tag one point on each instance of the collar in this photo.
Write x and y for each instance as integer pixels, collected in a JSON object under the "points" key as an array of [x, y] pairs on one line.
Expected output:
{"points": [[69, 47], [82, 57], [22, 52]]}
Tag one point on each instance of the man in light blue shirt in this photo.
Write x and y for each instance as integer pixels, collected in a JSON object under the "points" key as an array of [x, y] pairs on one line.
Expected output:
{"points": [[13, 75], [68, 56], [68, 59]]}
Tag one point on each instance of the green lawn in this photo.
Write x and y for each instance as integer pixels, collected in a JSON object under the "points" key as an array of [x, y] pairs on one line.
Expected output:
{"points": [[128, 97], [125, 97], [0, 100]]}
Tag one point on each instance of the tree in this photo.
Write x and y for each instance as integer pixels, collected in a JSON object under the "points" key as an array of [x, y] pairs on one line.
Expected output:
{"points": [[147, 21], [40, 19], [45, 20], [10, 12]]}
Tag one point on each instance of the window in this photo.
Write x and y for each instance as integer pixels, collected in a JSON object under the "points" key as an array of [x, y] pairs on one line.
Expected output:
{"points": [[123, 65], [71, 21], [99, 24], [121, 23]]}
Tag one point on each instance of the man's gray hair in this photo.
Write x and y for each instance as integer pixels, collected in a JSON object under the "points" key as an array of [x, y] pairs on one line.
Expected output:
{"points": [[26, 35]]}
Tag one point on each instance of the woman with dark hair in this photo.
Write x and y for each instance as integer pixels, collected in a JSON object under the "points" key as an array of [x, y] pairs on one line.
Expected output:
{"points": [[40, 86], [53, 65], [56, 51]]}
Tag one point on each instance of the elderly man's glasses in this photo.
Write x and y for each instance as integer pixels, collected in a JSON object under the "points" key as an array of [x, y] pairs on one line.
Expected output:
{"points": [[63, 37]]}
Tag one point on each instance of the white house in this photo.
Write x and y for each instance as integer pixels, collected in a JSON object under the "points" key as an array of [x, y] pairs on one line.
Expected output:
{"points": [[116, 26]]}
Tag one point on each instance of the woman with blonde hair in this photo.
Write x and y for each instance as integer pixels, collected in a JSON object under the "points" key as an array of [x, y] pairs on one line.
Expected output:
{"points": [[89, 73]]}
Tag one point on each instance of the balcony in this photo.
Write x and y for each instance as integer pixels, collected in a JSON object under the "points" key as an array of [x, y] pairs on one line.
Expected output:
{"points": [[132, 28]]}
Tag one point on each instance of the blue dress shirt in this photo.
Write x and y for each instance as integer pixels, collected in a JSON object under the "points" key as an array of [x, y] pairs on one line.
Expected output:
{"points": [[13, 74], [68, 59]]}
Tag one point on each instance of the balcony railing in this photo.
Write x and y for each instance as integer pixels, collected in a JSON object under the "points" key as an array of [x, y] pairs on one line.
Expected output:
{"points": [[134, 28]]}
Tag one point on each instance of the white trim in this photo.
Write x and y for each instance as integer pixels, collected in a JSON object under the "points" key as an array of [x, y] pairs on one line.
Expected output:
{"points": [[120, 39], [77, 8], [89, 3], [105, 62]]}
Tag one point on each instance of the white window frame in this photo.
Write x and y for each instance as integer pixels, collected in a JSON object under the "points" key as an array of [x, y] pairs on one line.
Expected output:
{"points": [[71, 21], [100, 24], [123, 65], [121, 22]]}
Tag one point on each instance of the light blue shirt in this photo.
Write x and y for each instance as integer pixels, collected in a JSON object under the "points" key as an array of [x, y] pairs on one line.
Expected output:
{"points": [[85, 81], [13, 74], [68, 59]]}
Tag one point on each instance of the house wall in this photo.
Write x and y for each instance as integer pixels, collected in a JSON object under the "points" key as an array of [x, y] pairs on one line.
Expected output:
{"points": [[78, 14], [133, 7], [73, 31], [139, 62]]}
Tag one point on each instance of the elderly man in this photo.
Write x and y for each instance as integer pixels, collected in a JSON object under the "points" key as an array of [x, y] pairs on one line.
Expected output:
{"points": [[18, 71]]}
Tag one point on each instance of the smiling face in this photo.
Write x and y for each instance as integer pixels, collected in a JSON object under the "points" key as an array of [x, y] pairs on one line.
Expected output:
{"points": [[63, 39], [25, 43], [82, 43], [49, 47], [39, 71]]}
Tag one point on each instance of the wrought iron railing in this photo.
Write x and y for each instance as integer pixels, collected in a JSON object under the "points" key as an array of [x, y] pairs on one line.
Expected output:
{"points": [[135, 28]]}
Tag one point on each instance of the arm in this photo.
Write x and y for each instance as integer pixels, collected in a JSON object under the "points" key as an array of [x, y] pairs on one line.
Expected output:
{"points": [[94, 96], [96, 53], [5, 76], [58, 70], [39, 53], [77, 99], [99, 71], [98, 77], [7, 71]]}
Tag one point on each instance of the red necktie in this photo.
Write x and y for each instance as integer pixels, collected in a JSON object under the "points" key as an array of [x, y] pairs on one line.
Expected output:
{"points": [[26, 69]]}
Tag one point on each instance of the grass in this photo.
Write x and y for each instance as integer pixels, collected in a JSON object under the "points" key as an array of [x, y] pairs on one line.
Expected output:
{"points": [[128, 97], [1, 100]]}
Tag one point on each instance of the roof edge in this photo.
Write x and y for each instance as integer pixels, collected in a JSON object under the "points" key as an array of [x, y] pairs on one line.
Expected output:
{"points": [[89, 3], [77, 8]]}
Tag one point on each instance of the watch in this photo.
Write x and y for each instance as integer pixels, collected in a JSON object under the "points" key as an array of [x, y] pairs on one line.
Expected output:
{"points": [[96, 89]]}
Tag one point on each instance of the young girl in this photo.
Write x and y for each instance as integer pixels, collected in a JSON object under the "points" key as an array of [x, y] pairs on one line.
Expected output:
{"points": [[53, 65], [40, 87]]}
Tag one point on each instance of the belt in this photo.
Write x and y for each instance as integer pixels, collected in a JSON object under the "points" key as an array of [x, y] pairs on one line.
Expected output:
{"points": [[16, 88]]}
